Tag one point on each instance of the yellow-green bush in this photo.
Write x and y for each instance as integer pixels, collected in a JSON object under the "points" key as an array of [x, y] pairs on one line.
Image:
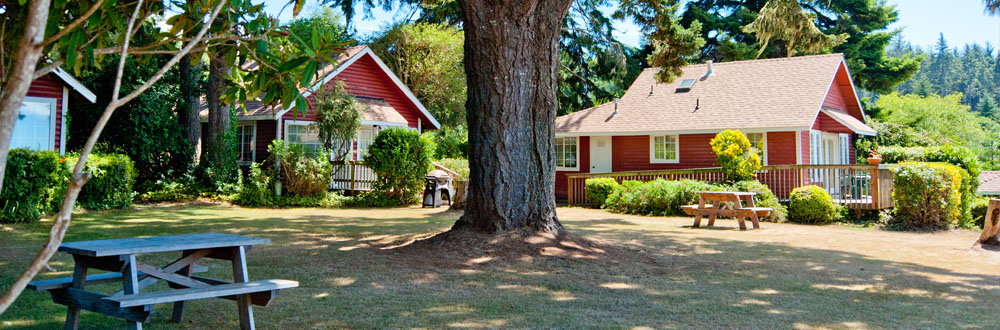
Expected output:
{"points": [[659, 197], [735, 155], [812, 205], [598, 190], [929, 196]]}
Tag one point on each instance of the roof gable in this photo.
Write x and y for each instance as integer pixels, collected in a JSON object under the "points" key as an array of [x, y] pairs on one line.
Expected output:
{"points": [[770, 94]]}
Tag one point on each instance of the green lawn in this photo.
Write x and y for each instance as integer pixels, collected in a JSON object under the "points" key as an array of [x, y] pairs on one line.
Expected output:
{"points": [[656, 273]]}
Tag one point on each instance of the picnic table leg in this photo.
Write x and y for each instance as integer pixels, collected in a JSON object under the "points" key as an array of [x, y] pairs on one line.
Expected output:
{"points": [[130, 280], [178, 313], [697, 215], [79, 280], [239, 276], [713, 216], [751, 204]]}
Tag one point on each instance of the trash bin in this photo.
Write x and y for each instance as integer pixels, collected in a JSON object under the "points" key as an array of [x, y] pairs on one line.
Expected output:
{"points": [[438, 187]]}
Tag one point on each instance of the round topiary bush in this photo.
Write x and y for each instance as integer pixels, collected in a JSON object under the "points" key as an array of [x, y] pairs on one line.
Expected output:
{"points": [[598, 190], [812, 205]]}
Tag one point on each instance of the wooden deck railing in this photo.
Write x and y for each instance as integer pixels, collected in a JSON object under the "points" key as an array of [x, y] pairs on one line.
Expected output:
{"points": [[352, 176], [862, 187]]}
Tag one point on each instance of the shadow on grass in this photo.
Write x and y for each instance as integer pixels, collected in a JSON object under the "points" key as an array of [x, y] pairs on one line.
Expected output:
{"points": [[348, 279]]}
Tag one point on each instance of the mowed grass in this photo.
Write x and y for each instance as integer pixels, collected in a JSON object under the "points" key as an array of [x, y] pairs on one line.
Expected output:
{"points": [[663, 275]]}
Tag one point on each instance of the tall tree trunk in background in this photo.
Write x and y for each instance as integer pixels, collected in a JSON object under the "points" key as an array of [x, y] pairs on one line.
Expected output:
{"points": [[511, 60], [187, 115], [20, 75], [218, 115]]}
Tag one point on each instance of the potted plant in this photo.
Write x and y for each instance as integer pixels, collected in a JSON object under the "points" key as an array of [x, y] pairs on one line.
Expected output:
{"points": [[874, 158]]}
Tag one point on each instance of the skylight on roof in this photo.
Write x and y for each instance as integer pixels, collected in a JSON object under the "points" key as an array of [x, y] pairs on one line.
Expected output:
{"points": [[685, 85]]}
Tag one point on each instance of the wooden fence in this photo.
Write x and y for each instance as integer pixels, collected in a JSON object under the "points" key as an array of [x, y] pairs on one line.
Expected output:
{"points": [[352, 176], [863, 187]]}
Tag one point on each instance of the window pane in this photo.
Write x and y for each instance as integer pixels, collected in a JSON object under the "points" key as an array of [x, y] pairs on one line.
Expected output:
{"points": [[33, 127]]}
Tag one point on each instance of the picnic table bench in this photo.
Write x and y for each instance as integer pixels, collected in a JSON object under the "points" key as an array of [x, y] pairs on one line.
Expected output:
{"points": [[739, 205], [118, 257]]}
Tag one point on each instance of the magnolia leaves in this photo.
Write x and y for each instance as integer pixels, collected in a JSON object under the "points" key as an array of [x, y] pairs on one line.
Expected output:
{"points": [[785, 20]]}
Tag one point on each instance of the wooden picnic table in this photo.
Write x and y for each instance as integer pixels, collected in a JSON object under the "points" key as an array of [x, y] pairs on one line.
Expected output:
{"points": [[118, 257], [739, 205]]}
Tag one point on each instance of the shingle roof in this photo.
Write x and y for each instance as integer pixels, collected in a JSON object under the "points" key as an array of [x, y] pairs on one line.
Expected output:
{"points": [[989, 183], [379, 110], [256, 108], [758, 94]]}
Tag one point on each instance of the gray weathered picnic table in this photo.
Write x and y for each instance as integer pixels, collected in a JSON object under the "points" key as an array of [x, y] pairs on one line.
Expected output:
{"points": [[118, 256]]}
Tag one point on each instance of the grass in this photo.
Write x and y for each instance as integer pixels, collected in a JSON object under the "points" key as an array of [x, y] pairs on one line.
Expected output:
{"points": [[657, 273]]}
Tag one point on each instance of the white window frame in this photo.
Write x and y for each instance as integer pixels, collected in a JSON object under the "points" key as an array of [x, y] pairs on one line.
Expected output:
{"points": [[52, 117], [576, 140], [816, 153], [284, 131], [845, 151], [253, 142], [763, 143], [677, 150]]}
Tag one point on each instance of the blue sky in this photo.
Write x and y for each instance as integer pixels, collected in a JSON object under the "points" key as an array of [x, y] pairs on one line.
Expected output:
{"points": [[961, 21]]}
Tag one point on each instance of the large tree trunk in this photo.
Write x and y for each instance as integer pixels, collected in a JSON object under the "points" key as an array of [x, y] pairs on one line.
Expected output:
{"points": [[511, 61], [218, 115], [187, 115], [12, 93]]}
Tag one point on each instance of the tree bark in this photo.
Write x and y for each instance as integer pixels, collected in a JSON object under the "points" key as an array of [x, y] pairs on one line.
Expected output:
{"points": [[29, 50], [187, 115], [218, 115], [511, 63]]}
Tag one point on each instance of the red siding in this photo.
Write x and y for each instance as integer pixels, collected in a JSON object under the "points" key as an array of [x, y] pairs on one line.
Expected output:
{"points": [[584, 159], [805, 147], [364, 77], [828, 124], [50, 86], [266, 131], [781, 148], [841, 94], [631, 153]]}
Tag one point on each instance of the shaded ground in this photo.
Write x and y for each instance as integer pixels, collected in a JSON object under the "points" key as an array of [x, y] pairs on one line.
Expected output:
{"points": [[619, 271]]}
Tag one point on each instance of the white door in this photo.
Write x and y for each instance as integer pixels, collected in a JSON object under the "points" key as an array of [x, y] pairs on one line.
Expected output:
{"points": [[600, 154]]}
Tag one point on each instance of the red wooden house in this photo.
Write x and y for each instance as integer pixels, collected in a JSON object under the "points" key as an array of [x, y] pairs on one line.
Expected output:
{"points": [[386, 102], [800, 110], [40, 124]]}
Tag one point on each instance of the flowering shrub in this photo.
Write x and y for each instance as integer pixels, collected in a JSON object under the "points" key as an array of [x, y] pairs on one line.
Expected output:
{"points": [[736, 156]]}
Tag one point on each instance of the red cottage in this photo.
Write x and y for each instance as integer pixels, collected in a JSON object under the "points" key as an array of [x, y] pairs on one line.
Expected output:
{"points": [[386, 102], [40, 124], [800, 110]]}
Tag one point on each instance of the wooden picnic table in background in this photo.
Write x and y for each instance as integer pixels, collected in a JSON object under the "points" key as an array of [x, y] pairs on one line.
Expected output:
{"points": [[739, 205], [118, 256]]}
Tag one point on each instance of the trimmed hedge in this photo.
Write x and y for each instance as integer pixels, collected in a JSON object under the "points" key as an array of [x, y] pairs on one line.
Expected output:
{"points": [[598, 190], [929, 196], [659, 197], [110, 186], [400, 158], [812, 205], [959, 156], [32, 185]]}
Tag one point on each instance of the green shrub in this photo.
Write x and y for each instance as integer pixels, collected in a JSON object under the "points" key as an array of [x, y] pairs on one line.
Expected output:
{"points": [[812, 205], [978, 208], [450, 142], [111, 182], [659, 197], [458, 165], [763, 198], [174, 190], [400, 158], [302, 173], [257, 190], [598, 190], [928, 196], [736, 156], [959, 156], [31, 185]]}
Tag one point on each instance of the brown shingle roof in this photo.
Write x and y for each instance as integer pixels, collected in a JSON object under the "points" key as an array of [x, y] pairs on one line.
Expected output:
{"points": [[379, 110], [770, 93], [256, 108], [989, 183]]}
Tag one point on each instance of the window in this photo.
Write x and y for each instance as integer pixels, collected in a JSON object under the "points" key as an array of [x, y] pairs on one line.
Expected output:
{"points": [[304, 134], [758, 141], [245, 136], [685, 85], [566, 154], [816, 154], [845, 149], [663, 149], [365, 138], [35, 125]]}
